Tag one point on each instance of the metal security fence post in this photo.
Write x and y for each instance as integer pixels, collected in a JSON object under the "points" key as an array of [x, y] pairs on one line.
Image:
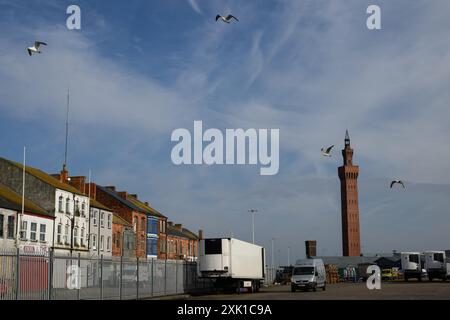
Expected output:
{"points": [[152, 277], [50, 275], [137, 278], [121, 277], [17, 273], [165, 277], [79, 277], [176, 277], [101, 277]]}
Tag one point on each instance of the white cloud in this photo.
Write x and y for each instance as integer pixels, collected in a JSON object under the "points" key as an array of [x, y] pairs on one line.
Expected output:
{"points": [[195, 6]]}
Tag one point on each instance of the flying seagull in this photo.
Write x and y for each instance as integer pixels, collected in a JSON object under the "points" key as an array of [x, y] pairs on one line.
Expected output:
{"points": [[226, 19], [397, 181], [327, 152], [36, 48]]}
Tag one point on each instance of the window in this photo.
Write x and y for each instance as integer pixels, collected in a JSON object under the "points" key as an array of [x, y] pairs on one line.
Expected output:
{"points": [[102, 219], [59, 234], [108, 244], [33, 231], [162, 246], [66, 234], [60, 204], [82, 236], [438, 257], [152, 246], [23, 230], [75, 235], [1, 225], [42, 231], [118, 239], [109, 221], [135, 222], [83, 208], [152, 226], [67, 205], [77, 206], [11, 227], [303, 271], [94, 241], [94, 217], [101, 243]]}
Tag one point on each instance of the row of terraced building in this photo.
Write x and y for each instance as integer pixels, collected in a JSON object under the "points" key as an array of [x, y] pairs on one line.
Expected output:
{"points": [[70, 215]]}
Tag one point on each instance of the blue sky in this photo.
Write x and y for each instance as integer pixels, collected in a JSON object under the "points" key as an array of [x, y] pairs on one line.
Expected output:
{"points": [[140, 69]]}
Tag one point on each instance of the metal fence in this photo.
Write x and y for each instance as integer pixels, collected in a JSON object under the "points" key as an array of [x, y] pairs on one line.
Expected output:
{"points": [[270, 277], [47, 277]]}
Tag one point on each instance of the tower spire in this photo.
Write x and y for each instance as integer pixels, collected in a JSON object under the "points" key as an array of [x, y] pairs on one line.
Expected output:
{"points": [[347, 138]]}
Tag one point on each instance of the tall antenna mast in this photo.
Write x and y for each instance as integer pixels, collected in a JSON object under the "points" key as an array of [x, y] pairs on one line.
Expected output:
{"points": [[67, 127]]}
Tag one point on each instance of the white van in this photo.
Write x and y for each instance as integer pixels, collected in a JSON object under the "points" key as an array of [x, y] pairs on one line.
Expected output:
{"points": [[411, 265], [308, 274]]}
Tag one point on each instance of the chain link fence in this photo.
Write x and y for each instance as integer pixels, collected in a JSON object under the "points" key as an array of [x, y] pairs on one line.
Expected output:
{"points": [[47, 277]]}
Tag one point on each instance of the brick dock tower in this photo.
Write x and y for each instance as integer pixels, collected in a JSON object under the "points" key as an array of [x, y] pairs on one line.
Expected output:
{"points": [[348, 174]]}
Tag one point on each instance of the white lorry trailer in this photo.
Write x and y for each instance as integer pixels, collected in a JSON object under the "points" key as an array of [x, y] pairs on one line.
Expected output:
{"points": [[435, 264], [232, 263], [411, 265]]}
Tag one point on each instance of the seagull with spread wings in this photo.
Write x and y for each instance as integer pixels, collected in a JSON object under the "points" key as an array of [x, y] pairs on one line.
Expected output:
{"points": [[326, 152], [226, 19], [397, 182], [36, 48]]}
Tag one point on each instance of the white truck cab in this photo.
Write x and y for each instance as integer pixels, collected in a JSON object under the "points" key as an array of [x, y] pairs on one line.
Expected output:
{"points": [[411, 265], [308, 274], [435, 264]]}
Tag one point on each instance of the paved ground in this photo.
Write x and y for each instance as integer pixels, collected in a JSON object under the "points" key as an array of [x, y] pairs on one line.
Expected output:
{"points": [[389, 291]]}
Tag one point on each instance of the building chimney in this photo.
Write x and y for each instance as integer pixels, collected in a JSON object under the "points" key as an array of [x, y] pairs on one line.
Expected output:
{"points": [[112, 188], [311, 247], [123, 194], [170, 223], [92, 191], [147, 204], [64, 175], [78, 183], [134, 196], [179, 227], [200, 234]]}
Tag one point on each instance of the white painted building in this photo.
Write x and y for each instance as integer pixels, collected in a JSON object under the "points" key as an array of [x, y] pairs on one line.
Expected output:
{"points": [[71, 223], [68, 205], [35, 225], [100, 230]]}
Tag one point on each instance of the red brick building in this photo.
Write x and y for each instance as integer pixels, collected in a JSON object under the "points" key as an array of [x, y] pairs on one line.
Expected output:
{"points": [[348, 175], [122, 237], [182, 244], [119, 203], [156, 228]]}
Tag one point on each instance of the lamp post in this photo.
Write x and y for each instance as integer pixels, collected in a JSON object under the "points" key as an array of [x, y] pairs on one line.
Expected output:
{"points": [[252, 212], [289, 256], [272, 261]]}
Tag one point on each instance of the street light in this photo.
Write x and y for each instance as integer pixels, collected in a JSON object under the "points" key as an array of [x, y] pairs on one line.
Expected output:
{"points": [[252, 212], [273, 264], [273, 254], [289, 256]]}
